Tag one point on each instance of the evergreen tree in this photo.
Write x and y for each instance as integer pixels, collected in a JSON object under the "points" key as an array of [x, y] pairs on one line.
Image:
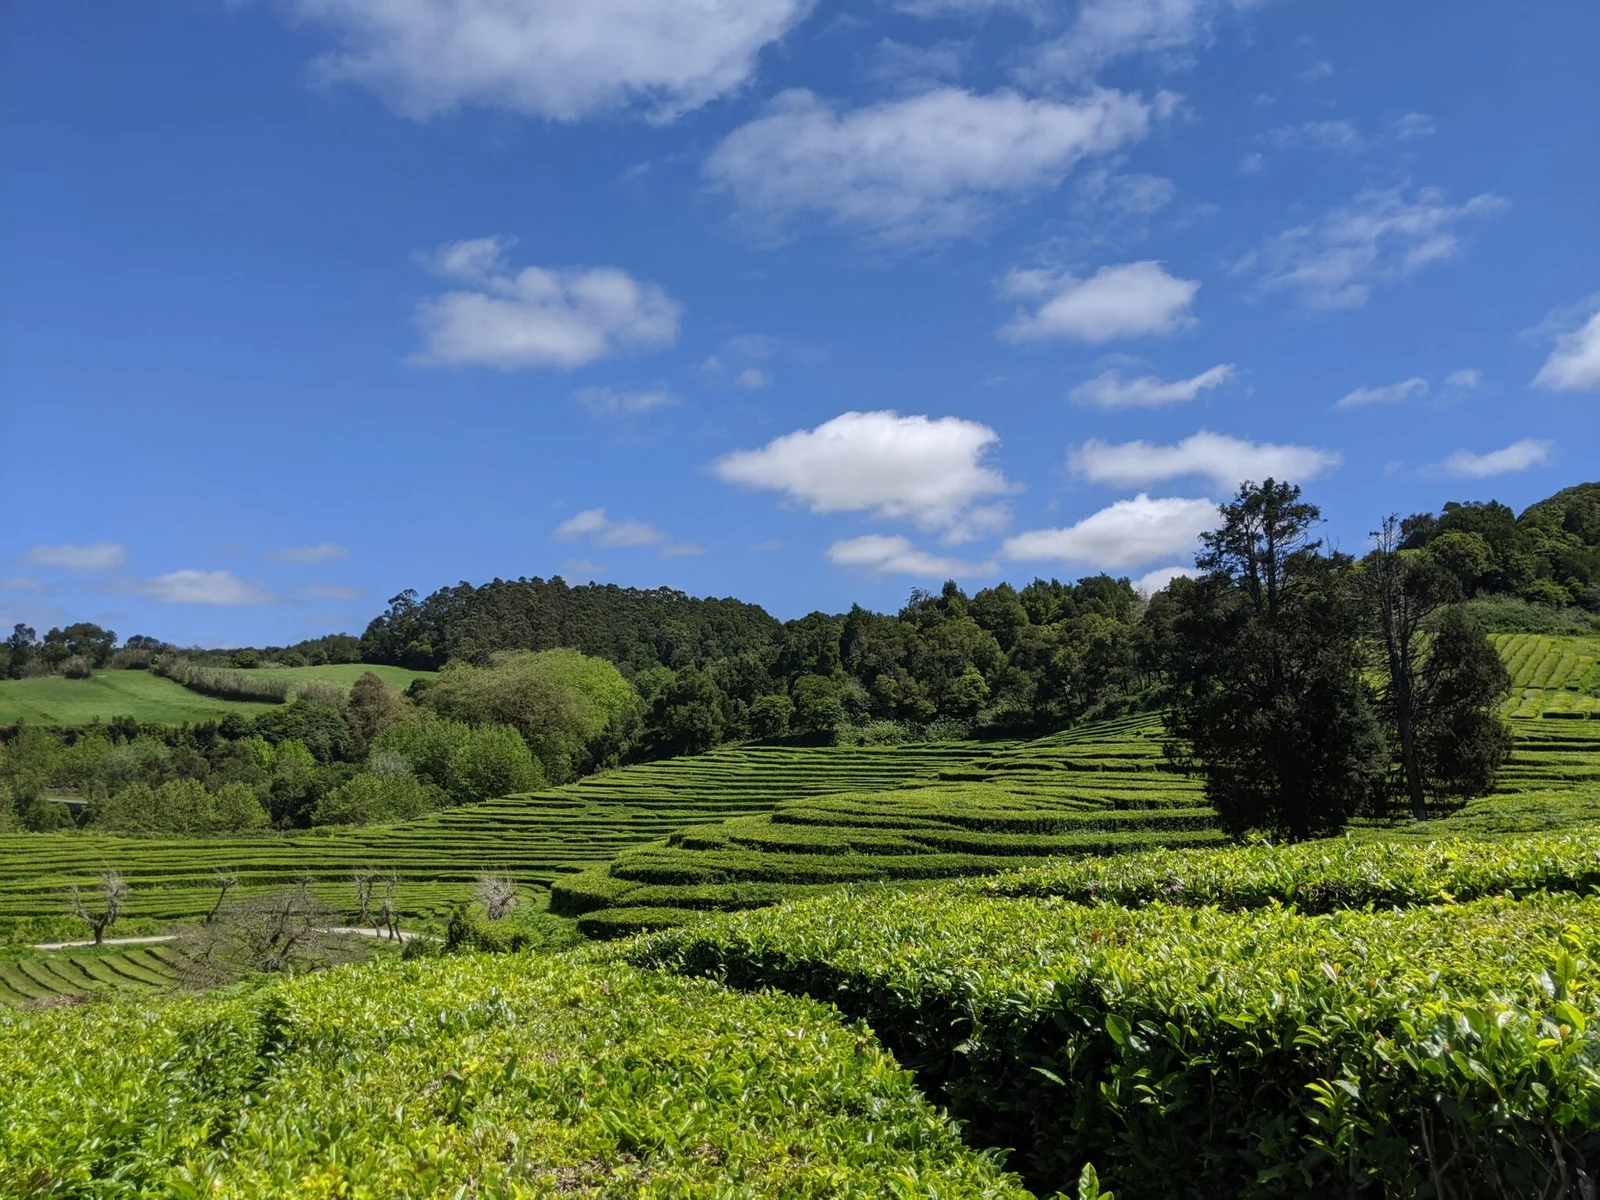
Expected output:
{"points": [[1267, 700]]}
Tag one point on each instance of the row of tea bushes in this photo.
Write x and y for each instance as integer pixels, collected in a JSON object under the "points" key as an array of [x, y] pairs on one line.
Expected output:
{"points": [[473, 1076], [1445, 1051]]}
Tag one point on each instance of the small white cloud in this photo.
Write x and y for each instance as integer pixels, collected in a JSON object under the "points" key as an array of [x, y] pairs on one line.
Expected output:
{"points": [[609, 402], [94, 556], [601, 530], [1250, 163], [1225, 461], [1339, 136], [1317, 70], [222, 588], [1519, 456], [930, 470], [1414, 125], [1126, 534], [1574, 365], [1151, 582], [765, 547], [752, 378], [1109, 390], [682, 550], [538, 316], [985, 521], [332, 591], [320, 553], [1132, 300], [549, 58], [1468, 379], [1380, 237], [1389, 393], [925, 167], [1105, 30], [895, 555], [582, 568]]}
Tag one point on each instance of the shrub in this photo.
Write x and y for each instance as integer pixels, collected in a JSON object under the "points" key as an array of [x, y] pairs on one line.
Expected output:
{"points": [[76, 667], [370, 798], [219, 682]]}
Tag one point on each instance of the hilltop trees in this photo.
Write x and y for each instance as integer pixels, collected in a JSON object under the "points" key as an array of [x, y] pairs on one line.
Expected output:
{"points": [[1268, 704]]}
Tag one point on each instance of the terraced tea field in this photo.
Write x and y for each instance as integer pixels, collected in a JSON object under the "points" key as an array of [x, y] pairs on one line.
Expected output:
{"points": [[42, 977], [536, 838], [1104, 789], [1551, 676]]}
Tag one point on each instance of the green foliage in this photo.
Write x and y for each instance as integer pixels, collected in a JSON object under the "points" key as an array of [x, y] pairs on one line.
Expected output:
{"points": [[1255, 1053], [220, 683], [466, 763], [575, 712], [179, 806], [1461, 741], [508, 1076], [1268, 703], [374, 798]]}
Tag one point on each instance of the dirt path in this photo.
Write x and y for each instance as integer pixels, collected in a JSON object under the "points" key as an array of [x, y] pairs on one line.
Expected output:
{"points": [[172, 937]]}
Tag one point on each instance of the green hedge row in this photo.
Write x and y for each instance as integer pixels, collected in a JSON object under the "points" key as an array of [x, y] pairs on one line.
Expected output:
{"points": [[521, 1075], [1439, 1051]]}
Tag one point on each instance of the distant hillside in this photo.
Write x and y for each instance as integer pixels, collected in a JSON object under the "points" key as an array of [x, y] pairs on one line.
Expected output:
{"points": [[635, 628]]}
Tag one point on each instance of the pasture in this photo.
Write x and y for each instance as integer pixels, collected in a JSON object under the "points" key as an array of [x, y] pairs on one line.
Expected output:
{"points": [[152, 700]]}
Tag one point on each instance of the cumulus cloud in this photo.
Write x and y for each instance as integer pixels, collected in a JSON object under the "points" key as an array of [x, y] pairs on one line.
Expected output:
{"points": [[1574, 365], [1225, 461], [930, 470], [1152, 582], [601, 530], [1110, 390], [1519, 456], [895, 555], [1379, 237], [222, 588], [1389, 393], [320, 553], [92, 556], [548, 58], [1132, 300], [1129, 533], [538, 316], [924, 167], [609, 402]]}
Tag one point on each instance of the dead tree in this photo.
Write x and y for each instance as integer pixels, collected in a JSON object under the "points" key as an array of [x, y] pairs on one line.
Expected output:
{"points": [[225, 880], [497, 893], [388, 914], [287, 932], [364, 881], [112, 892]]}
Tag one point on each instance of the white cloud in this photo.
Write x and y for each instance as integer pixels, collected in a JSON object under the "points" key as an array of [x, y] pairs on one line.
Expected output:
{"points": [[1413, 125], [1131, 300], [1519, 456], [320, 553], [548, 58], [609, 402], [752, 378], [1109, 390], [1225, 461], [930, 470], [682, 550], [1250, 163], [601, 530], [985, 521], [538, 316], [332, 591], [1317, 135], [1468, 379], [1389, 393], [895, 555], [93, 556], [1152, 582], [1129, 533], [765, 547], [1379, 237], [582, 567], [1574, 365], [925, 167], [1105, 30], [204, 587]]}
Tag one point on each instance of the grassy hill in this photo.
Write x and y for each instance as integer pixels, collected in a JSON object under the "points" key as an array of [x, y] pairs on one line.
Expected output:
{"points": [[151, 699], [1551, 676]]}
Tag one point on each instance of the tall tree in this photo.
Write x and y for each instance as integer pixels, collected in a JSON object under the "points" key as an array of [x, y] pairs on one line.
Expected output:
{"points": [[1267, 701]]}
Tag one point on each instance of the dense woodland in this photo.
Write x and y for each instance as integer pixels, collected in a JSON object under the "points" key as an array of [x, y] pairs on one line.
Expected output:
{"points": [[1374, 669]]}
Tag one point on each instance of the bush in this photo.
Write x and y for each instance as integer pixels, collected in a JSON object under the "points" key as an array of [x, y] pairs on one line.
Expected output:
{"points": [[370, 798], [76, 667], [1433, 1051], [219, 682], [179, 806]]}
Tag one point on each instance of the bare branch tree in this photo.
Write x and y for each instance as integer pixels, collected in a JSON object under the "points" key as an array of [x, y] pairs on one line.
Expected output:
{"points": [[226, 880], [287, 932], [364, 880], [112, 892], [497, 892], [388, 914]]}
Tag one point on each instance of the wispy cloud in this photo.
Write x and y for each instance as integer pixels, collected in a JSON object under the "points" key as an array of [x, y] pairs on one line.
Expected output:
{"points": [[322, 552], [1110, 390], [892, 554], [1135, 299], [91, 556], [1519, 456], [222, 588], [1389, 393]]}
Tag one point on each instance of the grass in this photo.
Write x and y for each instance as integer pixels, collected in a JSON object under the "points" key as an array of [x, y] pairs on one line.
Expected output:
{"points": [[1551, 676], [38, 976], [152, 700]]}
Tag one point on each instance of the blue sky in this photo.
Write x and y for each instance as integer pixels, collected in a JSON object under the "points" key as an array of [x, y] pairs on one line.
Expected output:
{"points": [[309, 301]]}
